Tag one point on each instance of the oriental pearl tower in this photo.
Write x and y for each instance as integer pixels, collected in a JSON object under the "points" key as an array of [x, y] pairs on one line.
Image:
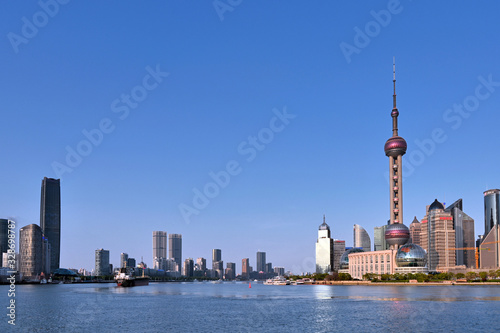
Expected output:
{"points": [[396, 234]]}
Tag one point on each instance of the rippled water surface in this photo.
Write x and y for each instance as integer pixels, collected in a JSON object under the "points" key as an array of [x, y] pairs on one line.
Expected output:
{"points": [[217, 307]]}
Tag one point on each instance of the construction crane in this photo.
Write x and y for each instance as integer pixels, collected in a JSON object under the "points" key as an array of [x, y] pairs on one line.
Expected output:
{"points": [[475, 249]]}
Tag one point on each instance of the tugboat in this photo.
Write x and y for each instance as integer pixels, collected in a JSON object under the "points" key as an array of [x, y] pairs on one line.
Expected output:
{"points": [[126, 278]]}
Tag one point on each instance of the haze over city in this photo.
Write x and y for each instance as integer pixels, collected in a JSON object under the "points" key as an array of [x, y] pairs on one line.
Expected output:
{"points": [[294, 111]]}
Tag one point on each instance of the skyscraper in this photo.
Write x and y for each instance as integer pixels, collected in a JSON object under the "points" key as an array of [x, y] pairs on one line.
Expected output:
{"points": [[31, 251], [50, 218], [379, 242], [188, 267], [102, 262], [175, 248], [269, 267], [261, 262], [324, 249], [396, 233], [202, 264], [245, 268], [338, 251], [159, 244], [123, 260], [361, 238], [464, 235], [217, 264], [216, 255], [230, 273], [415, 229], [4, 235], [437, 237], [489, 250], [491, 209]]}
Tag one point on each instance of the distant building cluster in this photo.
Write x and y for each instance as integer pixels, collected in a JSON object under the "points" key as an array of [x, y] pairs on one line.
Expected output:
{"points": [[171, 265], [442, 241], [39, 245]]}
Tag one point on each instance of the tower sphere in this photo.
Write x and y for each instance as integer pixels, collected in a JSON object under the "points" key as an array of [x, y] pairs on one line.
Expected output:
{"points": [[397, 234], [395, 146], [411, 255]]}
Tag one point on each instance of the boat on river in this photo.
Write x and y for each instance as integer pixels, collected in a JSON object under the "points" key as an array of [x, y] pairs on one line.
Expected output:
{"points": [[126, 278]]}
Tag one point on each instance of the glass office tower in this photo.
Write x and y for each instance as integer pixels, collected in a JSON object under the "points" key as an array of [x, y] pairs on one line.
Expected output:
{"points": [[50, 218]]}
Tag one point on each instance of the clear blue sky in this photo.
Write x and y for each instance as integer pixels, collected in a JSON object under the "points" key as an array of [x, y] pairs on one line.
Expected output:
{"points": [[225, 78]]}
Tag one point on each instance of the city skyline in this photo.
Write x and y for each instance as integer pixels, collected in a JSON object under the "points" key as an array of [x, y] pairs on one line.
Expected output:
{"points": [[188, 129]]}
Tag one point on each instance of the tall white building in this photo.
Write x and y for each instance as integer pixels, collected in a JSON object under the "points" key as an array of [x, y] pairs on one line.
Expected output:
{"points": [[324, 249]]}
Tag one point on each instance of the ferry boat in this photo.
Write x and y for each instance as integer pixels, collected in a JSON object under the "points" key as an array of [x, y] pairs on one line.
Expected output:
{"points": [[277, 281], [126, 278]]}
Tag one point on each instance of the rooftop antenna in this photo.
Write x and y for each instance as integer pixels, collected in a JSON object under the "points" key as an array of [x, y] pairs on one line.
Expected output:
{"points": [[323, 218]]}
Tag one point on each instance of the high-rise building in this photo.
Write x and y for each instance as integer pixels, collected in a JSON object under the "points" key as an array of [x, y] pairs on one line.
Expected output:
{"points": [[489, 249], [131, 262], [396, 233], [491, 209], [175, 248], [31, 251], [50, 218], [361, 238], [324, 249], [159, 244], [230, 273], [216, 255], [269, 267], [379, 242], [4, 235], [102, 266], [438, 237], [261, 262], [123, 260], [338, 251], [464, 235], [280, 271], [218, 269], [202, 264], [188, 267], [245, 268], [415, 230]]}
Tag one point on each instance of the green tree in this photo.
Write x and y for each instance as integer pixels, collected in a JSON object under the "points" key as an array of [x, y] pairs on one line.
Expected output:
{"points": [[483, 276], [471, 276], [460, 276]]}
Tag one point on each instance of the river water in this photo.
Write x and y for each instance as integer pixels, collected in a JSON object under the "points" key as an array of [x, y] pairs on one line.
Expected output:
{"points": [[234, 307]]}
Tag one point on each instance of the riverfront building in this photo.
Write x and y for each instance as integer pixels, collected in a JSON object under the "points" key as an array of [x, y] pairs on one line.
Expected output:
{"points": [[159, 244], [31, 251], [415, 230], [491, 210], [324, 249], [338, 251], [464, 235], [50, 218], [438, 238], [361, 238], [261, 262], [102, 266], [379, 242], [245, 268], [175, 249], [4, 235]]}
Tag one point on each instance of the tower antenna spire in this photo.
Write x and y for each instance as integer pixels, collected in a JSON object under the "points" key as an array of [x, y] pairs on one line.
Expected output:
{"points": [[323, 218], [394, 81]]}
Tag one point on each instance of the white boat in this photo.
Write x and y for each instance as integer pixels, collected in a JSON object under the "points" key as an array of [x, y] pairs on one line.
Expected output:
{"points": [[277, 281]]}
